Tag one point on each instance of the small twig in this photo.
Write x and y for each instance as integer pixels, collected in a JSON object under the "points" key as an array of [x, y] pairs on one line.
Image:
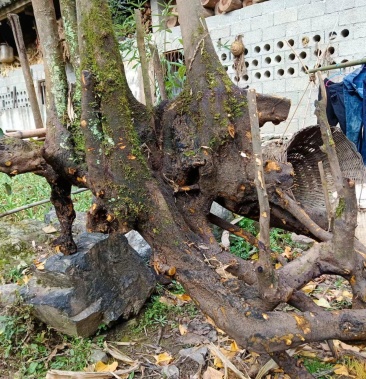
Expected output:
{"points": [[158, 71], [216, 351], [266, 274], [326, 195]]}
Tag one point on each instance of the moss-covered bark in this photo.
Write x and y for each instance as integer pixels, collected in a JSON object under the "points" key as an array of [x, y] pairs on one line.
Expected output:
{"points": [[166, 193]]}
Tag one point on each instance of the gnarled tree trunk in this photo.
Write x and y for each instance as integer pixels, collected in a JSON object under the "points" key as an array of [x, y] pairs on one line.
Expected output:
{"points": [[163, 180]]}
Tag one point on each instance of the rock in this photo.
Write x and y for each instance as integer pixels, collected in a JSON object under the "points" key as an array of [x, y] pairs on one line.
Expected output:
{"points": [[78, 226], [106, 280], [16, 240], [98, 355], [196, 354], [137, 242], [170, 372], [221, 212], [14, 233], [8, 293], [302, 240]]}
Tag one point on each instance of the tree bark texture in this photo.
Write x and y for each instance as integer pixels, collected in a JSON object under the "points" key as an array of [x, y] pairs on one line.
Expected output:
{"points": [[162, 181]]}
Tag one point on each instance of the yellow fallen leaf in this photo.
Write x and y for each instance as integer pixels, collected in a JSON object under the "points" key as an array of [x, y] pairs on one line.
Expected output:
{"points": [[183, 329], [341, 370], [308, 354], [228, 354], [234, 347], [347, 294], [254, 257], [310, 287], [102, 367], [287, 253], [322, 303], [131, 157], [163, 359], [39, 265], [278, 265], [218, 362], [184, 297]]}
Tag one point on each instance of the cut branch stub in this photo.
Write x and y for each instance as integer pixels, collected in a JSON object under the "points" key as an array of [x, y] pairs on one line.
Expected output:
{"points": [[230, 5], [209, 3]]}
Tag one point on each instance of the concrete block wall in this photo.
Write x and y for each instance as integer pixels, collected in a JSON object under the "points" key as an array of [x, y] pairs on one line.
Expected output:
{"points": [[275, 32], [15, 111]]}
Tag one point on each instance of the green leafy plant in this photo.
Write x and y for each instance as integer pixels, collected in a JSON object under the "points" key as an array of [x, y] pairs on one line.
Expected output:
{"points": [[279, 239], [26, 346]]}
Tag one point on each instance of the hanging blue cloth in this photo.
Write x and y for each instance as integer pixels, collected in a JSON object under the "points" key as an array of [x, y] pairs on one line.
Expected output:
{"points": [[355, 102]]}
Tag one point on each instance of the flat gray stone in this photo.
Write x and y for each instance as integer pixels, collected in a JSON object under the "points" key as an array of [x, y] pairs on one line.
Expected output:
{"points": [[196, 354], [104, 281], [170, 372], [138, 243]]}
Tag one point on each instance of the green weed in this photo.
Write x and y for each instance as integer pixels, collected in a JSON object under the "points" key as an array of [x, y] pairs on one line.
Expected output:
{"points": [[26, 346], [29, 188], [315, 366], [279, 239]]}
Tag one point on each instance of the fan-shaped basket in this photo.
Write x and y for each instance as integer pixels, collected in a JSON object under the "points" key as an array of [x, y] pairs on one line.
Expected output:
{"points": [[304, 152]]}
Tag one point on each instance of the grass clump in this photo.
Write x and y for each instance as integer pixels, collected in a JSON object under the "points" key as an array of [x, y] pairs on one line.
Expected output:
{"points": [[28, 188], [28, 348]]}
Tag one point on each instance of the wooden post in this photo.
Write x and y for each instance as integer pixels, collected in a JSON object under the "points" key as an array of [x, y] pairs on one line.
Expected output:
{"points": [[266, 274], [144, 65], [18, 36], [230, 5], [209, 3], [158, 71]]}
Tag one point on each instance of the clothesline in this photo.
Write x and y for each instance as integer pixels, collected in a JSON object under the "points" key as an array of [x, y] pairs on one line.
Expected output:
{"points": [[338, 65]]}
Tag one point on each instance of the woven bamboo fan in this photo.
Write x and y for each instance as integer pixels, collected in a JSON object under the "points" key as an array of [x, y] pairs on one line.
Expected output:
{"points": [[303, 152]]}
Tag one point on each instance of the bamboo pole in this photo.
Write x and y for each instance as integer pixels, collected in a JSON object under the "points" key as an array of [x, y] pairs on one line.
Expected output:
{"points": [[27, 133], [159, 72], [18, 36], [338, 65]]}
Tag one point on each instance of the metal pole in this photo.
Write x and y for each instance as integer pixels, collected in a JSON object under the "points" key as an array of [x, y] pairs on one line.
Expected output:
{"points": [[338, 65]]}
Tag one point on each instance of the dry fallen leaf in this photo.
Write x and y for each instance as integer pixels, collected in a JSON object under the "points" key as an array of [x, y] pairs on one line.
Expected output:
{"points": [[231, 130], [183, 297], [39, 265], [322, 303], [341, 370], [102, 367], [310, 287], [183, 329], [234, 347], [49, 229], [163, 359], [211, 373]]}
